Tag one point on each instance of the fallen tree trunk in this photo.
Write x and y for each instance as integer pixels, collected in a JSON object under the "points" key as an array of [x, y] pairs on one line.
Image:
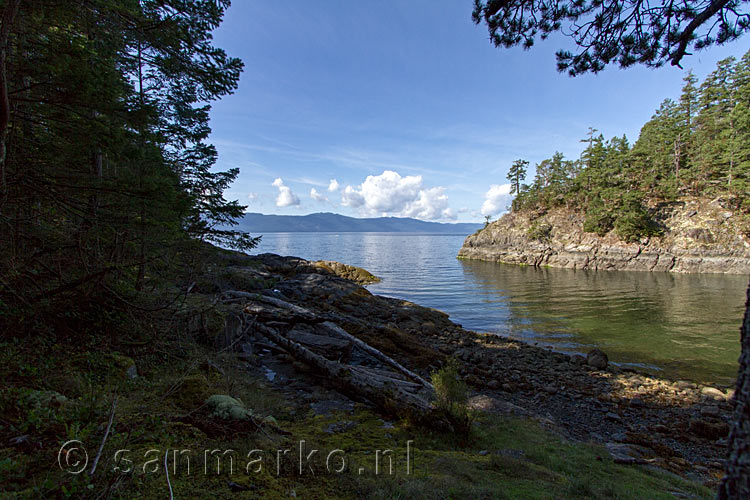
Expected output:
{"points": [[388, 395], [387, 378], [341, 333], [330, 347], [307, 316], [279, 309]]}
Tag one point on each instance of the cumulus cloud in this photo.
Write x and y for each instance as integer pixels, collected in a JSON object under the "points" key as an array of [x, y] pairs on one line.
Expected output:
{"points": [[389, 193], [496, 199], [315, 195], [286, 197], [333, 185], [252, 197], [350, 197]]}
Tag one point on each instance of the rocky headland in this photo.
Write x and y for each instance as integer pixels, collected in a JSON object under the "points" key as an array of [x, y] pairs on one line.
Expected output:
{"points": [[697, 236]]}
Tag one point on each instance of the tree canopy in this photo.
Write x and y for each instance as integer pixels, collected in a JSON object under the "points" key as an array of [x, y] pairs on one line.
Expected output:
{"points": [[698, 145], [105, 172], [516, 175], [623, 32]]}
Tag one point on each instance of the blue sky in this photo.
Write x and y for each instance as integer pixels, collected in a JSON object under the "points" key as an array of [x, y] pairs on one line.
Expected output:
{"points": [[408, 107]]}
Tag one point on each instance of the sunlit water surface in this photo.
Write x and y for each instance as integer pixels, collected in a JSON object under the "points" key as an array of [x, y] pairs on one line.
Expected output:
{"points": [[681, 326]]}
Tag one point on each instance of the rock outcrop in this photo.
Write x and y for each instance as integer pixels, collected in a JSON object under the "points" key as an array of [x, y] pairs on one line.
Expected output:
{"points": [[699, 236]]}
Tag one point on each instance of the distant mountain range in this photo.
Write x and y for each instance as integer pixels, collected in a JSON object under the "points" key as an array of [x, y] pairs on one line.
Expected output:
{"points": [[335, 223]]}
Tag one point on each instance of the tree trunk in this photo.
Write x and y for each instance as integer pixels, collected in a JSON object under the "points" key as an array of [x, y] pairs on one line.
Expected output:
{"points": [[736, 483], [8, 17], [389, 394]]}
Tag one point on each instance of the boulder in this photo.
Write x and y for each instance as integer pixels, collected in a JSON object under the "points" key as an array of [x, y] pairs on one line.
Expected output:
{"points": [[710, 411], [577, 359], [627, 454], [190, 391], [709, 429], [597, 358], [712, 392], [352, 273], [228, 408]]}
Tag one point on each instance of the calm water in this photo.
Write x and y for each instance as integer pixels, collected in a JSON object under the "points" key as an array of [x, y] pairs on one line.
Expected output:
{"points": [[684, 326]]}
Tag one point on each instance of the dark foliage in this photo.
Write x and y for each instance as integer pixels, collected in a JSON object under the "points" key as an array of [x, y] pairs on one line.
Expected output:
{"points": [[106, 180], [622, 32]]}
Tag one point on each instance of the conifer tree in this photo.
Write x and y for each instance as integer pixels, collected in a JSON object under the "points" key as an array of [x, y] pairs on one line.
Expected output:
{"points": [[107, 175], [516, 175]]}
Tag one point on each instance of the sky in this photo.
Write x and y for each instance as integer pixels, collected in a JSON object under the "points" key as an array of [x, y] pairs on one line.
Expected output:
{"points": [[404, 108]]}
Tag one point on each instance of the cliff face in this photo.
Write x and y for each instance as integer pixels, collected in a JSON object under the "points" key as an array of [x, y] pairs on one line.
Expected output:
{"points": [[700, 236]]}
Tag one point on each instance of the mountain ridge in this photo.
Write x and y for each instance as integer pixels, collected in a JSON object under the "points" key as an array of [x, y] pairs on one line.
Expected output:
{"points": [[330, 222]]}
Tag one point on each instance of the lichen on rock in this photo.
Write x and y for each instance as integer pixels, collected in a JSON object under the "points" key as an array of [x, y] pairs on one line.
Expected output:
{"points": [[228, 408]]}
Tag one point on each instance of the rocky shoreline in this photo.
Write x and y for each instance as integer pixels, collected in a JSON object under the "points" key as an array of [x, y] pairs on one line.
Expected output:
{"points": [[698, 236], [676, 425]]}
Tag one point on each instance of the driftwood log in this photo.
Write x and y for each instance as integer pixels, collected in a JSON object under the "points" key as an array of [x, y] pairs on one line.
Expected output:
{"points": [[341, 333], [330, 347], [300, 314], [323, 345], [389, 394]]}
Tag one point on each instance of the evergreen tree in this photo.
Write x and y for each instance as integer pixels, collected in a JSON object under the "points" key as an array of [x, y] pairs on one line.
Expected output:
{"points": [[516, 175], [740, 138], [107, 176], [623, 33], [712, 155], [688, 107]]}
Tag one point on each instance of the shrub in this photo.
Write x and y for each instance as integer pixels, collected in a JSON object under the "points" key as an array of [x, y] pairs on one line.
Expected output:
{"points": [[599, 219], [539, 231], [451, 398], [633, 222]]}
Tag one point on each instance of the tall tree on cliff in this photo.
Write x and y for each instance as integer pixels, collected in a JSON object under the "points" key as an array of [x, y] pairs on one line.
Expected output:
{"points": [[516, 175], [632, 32]]}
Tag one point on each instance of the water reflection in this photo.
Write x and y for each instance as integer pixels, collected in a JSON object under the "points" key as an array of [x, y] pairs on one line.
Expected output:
{"points": [[686, 325]]}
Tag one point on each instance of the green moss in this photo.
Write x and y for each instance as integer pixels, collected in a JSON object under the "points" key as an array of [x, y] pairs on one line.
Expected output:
{"points": [[165, 409], [227, 407], [189, 392]]}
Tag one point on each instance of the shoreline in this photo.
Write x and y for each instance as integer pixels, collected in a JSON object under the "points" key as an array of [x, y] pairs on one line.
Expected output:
{"points": [[678, 425]]}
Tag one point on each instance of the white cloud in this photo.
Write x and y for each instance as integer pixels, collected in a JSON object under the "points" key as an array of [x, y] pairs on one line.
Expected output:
{"points": [[333, 185], [252, 197], [315, 195], [285, 198], [391, 194], [430, 204], [350, 197], [496, 199]]}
